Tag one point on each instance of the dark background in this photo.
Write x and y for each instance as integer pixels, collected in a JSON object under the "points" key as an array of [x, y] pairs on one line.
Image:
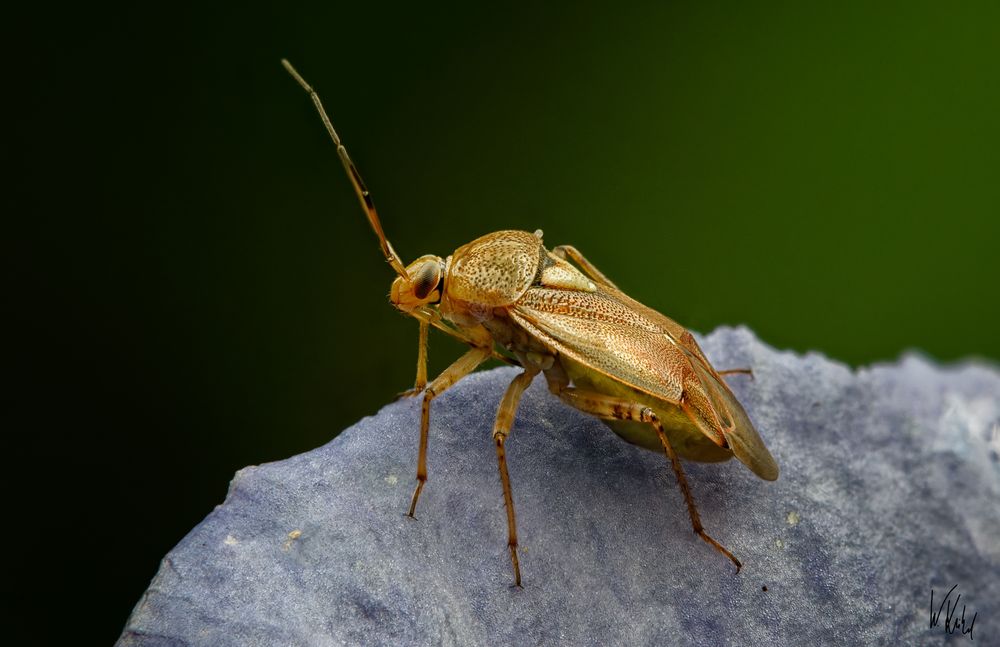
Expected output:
{"points": [[193, 287]]}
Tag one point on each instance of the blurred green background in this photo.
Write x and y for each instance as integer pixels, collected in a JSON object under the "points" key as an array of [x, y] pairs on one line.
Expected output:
{"points": [[206, 293]]}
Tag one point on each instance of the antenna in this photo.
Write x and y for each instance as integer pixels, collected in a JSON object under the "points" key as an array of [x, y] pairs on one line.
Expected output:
{"points": [[352, 172]]}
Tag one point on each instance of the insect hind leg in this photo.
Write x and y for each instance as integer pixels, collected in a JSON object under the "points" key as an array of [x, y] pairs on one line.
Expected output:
{"points": [[738, 371], [569, 252], [610, 407]]}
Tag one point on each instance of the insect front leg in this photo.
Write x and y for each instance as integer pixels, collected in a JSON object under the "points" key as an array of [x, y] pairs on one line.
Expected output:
{"points": [[605, 406], [473, 338], [738, 371], [572, 253], [459, 369], [421, 381], [505, 418]]}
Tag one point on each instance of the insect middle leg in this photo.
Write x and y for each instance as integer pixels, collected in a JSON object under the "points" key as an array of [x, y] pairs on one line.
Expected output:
{"points": [[610, 407], [459, 369], [501, 427]]}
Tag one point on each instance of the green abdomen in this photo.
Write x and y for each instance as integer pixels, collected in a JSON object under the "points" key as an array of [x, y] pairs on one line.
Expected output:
{"points": [[688, 441]]}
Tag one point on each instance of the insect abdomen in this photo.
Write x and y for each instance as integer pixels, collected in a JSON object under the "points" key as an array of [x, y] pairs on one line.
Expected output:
{"points": [[689, 441]]}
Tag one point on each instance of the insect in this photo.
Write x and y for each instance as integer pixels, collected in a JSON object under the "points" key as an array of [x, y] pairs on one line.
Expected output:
{"points": [[601, 351]]}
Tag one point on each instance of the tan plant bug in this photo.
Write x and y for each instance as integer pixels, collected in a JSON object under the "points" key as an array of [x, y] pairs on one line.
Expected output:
{"points": [[600, 350]]}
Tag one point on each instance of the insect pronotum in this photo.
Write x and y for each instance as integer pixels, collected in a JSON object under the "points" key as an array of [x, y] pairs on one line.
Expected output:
{"points": [[600, 350]]}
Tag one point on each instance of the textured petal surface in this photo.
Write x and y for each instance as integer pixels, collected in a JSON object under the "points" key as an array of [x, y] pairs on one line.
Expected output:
{"points": [[889, 487]]}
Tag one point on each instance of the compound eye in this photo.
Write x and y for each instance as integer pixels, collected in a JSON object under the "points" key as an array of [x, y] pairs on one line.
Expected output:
{"points": [[426, 279]]}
